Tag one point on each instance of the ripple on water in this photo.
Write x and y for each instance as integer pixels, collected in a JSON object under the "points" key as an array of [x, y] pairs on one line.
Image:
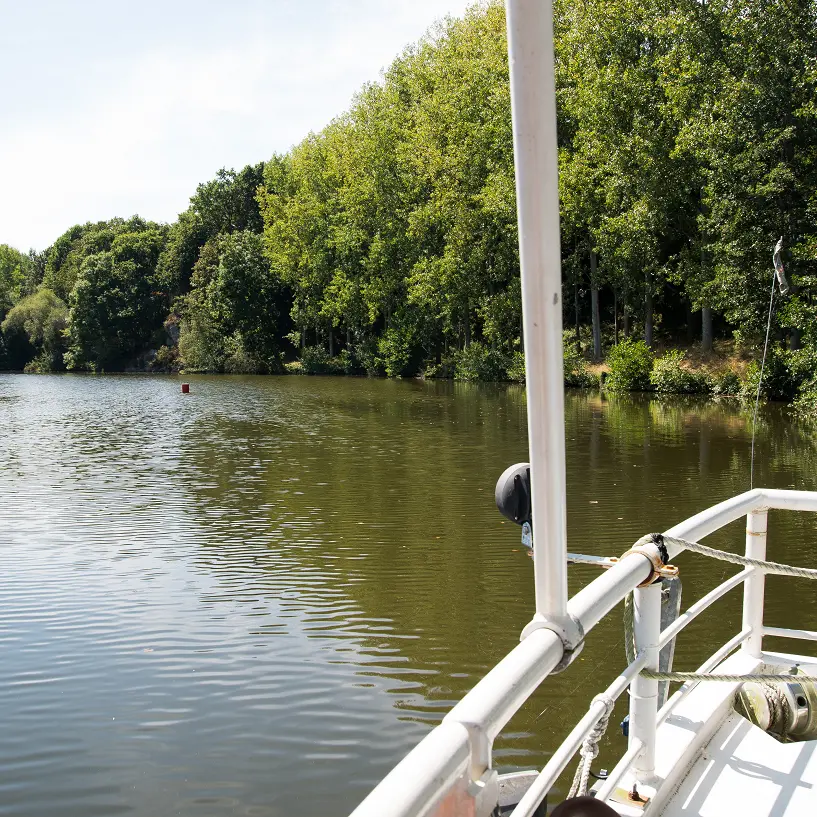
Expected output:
{"points": [[256, 598]]}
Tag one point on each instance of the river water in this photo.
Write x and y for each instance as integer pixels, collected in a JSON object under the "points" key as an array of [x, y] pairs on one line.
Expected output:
{"points": [[254, 599]]}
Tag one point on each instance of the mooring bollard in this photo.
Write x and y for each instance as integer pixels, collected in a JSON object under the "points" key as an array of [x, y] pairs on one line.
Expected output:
{"points": [[185, 388]]}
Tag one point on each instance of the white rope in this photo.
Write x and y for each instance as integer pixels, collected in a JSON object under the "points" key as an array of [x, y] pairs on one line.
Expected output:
{"points": [[590, 748], [759, 384], [774, 568], [735, 679]]}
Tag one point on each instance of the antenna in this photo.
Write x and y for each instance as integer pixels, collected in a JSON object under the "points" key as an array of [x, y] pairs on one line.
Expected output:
{"points": [[778, 268], [784, 289]]}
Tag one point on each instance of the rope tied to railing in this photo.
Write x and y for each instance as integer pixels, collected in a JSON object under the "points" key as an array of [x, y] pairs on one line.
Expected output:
{"points": [[687, 677], [775, 568], [662, 542], [590, 747]]}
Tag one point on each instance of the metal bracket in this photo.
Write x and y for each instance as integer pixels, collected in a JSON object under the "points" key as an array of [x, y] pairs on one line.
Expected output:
{"points": [[659, 569], [570, 632]]}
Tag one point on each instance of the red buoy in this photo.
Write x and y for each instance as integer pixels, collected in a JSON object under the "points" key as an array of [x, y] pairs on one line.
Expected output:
{"points": [[185, 388]]}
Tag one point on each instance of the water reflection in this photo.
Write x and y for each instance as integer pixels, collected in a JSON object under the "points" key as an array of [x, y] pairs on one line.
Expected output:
{"points": [[254, 599]]}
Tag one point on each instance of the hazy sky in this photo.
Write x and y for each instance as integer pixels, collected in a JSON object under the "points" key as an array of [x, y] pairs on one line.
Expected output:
{"points": [[113, 108]]}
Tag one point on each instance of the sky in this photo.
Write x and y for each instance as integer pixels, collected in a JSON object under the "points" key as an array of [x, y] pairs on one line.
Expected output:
{"points": [[113, 108]]}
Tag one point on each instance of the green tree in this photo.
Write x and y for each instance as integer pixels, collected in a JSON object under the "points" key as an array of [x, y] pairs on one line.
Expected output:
{"points": [[117, 305], [34, 330]]}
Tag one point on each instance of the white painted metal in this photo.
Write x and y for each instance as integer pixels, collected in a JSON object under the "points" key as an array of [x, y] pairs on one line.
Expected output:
{"points": [[635, 746], [627, 759], [418, 782], [753, 590], [696, 609], [561, 757], [408, 791], [785, 632], [644, 691], [533, 106], [558, 762], [707, 666], [741, 770], [495, 699], [684, 735]]}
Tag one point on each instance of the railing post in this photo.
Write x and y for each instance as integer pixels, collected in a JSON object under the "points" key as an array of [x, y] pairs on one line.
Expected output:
{"points": [[754, 586], [644, 691]]}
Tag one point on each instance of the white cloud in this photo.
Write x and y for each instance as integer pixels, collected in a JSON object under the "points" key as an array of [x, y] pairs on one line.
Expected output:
{"points": [[135, 131]]}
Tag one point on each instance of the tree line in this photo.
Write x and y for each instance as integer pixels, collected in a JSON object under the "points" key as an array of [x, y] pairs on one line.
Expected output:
{"points": [[387, 243]]}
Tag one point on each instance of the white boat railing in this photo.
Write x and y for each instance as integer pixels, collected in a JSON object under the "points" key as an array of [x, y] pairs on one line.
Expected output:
{"points": [[450, 771]]}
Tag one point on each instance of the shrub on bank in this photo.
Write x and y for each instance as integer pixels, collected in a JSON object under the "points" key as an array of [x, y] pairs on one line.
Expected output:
{"points": [[316, 360], [726, 383], [395, 351], [479, 362], [516, 367], [576, 373], [785, 374], [166, 359], [630, 366], [669, 376]]}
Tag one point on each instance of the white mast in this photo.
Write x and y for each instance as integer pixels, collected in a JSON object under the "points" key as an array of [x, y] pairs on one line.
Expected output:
{"points": [[533, 100]]}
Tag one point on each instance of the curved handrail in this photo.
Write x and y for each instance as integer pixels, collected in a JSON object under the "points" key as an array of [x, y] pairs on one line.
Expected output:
{"points": [[462, 743]]}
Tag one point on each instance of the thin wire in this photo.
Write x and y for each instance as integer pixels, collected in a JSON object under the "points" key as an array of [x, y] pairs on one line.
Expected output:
{"points": [[759, 384]]}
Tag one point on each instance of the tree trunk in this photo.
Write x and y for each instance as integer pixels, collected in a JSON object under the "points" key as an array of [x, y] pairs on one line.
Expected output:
{"points": [[331, 342], [594, 302], [690, 324], [615, 318], [626, 322], [467, 325], [706, 328], [648, 316], [576, 305]]}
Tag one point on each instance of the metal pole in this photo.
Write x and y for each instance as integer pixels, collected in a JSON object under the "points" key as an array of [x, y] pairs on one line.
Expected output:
{"points": [[644, 691], [533, 105], [754, 587]]}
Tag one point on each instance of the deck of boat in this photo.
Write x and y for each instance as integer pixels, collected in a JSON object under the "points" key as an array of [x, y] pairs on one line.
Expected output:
{"points": [[712, 762]]}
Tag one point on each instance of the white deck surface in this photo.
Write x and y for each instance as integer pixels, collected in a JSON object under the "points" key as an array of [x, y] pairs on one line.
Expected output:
{"points": [[744, 771], [711, 762]]}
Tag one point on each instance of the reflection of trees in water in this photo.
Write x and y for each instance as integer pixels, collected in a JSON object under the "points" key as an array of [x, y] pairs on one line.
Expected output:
{"points": [[382, 494], [365, 509]]}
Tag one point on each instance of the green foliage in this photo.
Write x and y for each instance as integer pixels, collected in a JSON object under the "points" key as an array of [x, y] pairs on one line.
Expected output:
{"points": [[576, 373], [687, 146], [235, 314], [480, 362], [116, 306], [727, 383], [805, 405], [395, 351], [670, 376], [779, 381], [13, 273], [34, 331], [365, 357], [166, 359], [516, 368], [630, 366], [316, 360], [201, 345]]}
